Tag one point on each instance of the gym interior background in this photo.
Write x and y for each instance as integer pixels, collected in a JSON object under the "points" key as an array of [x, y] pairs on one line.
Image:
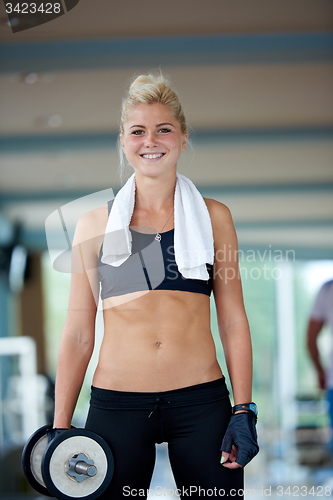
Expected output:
{"points": [[255, 79]]}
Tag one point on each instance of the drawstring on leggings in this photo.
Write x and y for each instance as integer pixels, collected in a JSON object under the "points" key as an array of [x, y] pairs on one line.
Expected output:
{"points": [[157, 408]]}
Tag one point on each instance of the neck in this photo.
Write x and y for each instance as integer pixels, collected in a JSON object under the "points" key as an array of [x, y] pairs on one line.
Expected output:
{"points": [[154, 194]]}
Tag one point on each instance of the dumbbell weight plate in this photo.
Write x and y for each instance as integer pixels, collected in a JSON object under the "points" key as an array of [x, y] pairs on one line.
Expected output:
{"points": [[55, 465], [32, 459]]}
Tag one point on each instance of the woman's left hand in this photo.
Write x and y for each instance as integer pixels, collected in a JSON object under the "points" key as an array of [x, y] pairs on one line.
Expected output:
{"points": [[229, 459], [240, 442]]}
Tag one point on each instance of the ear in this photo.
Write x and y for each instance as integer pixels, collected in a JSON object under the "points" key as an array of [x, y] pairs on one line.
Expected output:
{"points": [[184, 142], [121, 142]]}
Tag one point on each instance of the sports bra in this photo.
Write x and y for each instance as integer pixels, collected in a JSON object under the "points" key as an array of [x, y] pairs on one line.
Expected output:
{"points": [[151, 266]]}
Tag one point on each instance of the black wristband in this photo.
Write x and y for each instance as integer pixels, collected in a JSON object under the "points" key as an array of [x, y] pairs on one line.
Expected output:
{"points": [[246, 407]]}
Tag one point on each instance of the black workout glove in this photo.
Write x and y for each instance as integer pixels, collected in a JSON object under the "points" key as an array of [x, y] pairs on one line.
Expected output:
{"points": [[242, 432], [53, 433]]}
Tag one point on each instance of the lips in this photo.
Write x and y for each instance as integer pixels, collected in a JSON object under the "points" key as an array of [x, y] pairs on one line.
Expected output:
{"points": [[152, 156]]}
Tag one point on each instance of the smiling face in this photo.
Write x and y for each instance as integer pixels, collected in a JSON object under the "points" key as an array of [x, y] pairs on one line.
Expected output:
{"points": [[152, 139]]}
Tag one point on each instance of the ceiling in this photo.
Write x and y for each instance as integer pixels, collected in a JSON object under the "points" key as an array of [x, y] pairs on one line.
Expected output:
{"points": [[255, 80], [104, 19]]}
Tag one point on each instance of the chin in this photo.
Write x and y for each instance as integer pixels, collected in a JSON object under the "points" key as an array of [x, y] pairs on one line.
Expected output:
{"points": [[150, 172], [155, 170]]}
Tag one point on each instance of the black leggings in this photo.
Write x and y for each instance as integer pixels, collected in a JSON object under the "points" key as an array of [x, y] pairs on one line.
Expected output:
{"points": [[191, 420]]}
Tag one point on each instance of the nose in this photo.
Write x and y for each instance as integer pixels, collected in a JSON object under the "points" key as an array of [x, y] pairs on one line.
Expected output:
{"points": [[150, 139]]}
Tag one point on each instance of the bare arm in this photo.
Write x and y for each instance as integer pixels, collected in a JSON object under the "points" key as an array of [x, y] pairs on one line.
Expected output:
{"points": [[314, 328], [233, 325], [77, 341], [232, 321]]}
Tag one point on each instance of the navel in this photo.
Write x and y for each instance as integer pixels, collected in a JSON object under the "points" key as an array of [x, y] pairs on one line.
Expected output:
{"points": [[158, 344]]}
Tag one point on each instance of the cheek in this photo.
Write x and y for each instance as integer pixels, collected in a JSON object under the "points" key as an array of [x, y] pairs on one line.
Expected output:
{"points": [[129, 146], [173, 144]]}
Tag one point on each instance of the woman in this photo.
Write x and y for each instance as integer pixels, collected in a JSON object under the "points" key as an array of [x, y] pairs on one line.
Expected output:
{"points": [[157, 377]]}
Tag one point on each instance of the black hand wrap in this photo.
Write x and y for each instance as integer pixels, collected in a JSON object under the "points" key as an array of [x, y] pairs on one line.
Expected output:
{"points": [[242, 432], [53, 433]]}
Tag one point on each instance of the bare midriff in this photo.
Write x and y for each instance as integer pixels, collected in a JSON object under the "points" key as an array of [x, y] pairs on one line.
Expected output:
{"points": [[157, 341]]}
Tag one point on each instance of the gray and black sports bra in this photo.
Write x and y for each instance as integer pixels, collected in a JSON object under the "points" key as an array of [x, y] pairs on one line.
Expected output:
{"points": [[151, 266]]}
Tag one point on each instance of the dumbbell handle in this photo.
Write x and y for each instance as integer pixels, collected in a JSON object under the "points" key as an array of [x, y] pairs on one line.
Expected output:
{"points": [[84, 468]]}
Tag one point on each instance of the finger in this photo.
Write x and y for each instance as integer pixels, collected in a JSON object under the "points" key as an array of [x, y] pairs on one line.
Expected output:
{"points": [[224, 457], [232, 465], [233, 454]]}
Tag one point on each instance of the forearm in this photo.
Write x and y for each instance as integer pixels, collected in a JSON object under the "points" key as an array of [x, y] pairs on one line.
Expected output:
{"points": [[74, 356], [314, 355], [314, 328], [237, 347]]}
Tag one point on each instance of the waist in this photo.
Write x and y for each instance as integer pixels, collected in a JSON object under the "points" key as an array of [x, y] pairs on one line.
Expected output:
{"points": [[206, 392], [150, 335]]}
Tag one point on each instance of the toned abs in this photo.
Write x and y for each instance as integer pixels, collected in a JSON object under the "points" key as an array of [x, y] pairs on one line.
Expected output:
{"points": [[157, 341]]}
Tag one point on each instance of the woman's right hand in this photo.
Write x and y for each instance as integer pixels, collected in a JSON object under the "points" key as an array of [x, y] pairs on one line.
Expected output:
{"points": [[54, 432]]}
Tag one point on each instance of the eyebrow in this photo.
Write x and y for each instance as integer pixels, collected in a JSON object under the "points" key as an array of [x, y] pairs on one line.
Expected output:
{"points": [[159, 125]]}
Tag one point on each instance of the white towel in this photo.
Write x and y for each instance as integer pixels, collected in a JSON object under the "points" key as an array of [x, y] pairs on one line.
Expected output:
{"points": [[193, 235]]}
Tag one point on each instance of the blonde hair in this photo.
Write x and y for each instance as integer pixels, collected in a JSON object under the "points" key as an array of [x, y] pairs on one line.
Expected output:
{"points": [[149, 89]]}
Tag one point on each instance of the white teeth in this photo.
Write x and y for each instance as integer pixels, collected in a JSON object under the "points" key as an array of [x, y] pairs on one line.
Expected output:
{"points": [[152, 156]]}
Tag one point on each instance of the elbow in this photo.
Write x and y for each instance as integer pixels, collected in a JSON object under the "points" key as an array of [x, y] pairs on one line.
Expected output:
{"points": [[234, 324], [86, 344], [79, 339]]}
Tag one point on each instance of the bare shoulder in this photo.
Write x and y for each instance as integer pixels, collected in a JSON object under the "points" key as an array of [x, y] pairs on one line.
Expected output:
{"points": [[219, 213], [92, 224], [222, 223]]}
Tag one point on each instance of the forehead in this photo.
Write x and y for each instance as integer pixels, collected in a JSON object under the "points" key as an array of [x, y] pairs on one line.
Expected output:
{"points": [[151, 114]]}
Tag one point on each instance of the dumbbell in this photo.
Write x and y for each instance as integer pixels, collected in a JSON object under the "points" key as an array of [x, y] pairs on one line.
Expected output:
{"points": [[76, 464]]}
